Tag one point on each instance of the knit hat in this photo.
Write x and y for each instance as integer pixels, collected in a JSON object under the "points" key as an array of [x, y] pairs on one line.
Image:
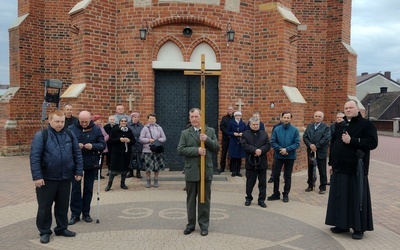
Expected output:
{"points": [[96, 117], [135, 114], [237, 113]]}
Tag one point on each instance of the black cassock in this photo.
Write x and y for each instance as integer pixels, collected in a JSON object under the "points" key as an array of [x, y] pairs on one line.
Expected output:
{"points": [[343, 205]]}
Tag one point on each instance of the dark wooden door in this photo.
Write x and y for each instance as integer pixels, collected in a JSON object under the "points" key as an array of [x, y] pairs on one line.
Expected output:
{"points": [[175, 95]]}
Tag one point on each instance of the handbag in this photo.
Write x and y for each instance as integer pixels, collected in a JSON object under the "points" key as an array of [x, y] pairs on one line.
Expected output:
{"points": [[135, 162], [156, 146]]}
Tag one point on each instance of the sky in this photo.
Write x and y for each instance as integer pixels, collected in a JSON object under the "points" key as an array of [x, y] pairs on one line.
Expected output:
{"points": [[375, 36]]}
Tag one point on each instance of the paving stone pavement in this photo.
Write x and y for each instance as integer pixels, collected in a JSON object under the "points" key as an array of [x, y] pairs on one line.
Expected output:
{"points": [[150, 218]]}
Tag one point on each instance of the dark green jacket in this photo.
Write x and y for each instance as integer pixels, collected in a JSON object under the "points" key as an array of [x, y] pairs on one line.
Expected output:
{"points": [[188, 147]]}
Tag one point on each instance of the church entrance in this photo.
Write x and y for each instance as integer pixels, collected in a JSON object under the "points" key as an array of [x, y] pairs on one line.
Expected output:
{"points": [[175, 95]]}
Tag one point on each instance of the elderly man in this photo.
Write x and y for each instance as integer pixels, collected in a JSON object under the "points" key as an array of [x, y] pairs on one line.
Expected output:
{"points": [[349, 206], [189, 147], [256, 144], [316, 137], [92, 144]]}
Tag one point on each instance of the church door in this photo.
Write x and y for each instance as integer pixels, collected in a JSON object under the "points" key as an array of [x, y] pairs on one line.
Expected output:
{"points": [[175, 95]]}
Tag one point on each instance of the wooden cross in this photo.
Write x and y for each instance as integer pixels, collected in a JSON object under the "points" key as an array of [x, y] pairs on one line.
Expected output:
{"points": [[130, 100], [202, 73], [240, 104]]}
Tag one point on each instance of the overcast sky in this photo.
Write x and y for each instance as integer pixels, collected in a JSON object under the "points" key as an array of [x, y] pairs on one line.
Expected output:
{"points": [[375, 36]]}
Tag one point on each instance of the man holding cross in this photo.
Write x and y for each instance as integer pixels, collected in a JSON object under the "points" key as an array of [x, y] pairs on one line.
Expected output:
{"points": [[189, 147]]}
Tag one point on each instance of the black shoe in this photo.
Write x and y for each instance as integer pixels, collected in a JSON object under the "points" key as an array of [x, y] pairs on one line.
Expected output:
{"points": [[322, 191], [204, 232], [338, 230], [262, 204], [129, 175], [221, 170], [102, 177], [309, 189], [247, 203], [357, 235], [239, 174], [66, 233], [274, 197], [73, 220], [285, 198], [188, 231], [45, 238], [271, 180], [123, 186], [86, 218], [138, 175], [233, 174]]}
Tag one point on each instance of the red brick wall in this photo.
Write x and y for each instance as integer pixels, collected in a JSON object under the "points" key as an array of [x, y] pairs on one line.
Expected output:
{"points": [[109, 57]]}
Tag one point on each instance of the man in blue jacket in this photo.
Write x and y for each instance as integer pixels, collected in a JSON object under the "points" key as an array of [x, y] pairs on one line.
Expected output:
{"points": [[285, 141], [91, 142], [54, 162]]}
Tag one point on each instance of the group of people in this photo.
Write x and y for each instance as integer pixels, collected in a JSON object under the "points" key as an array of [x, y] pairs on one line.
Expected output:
{"points": [[65, 155], [69, 154], [347, 143]]}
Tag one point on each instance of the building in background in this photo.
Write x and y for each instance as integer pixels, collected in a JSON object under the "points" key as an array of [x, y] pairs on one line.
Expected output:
{"points": [[286, 55]]}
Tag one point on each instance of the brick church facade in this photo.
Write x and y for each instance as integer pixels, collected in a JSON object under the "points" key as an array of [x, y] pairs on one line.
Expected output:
{"points": [[301, 45]]}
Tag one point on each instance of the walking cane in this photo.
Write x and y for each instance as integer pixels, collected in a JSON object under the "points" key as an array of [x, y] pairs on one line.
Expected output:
{"points": [[98, 189]]}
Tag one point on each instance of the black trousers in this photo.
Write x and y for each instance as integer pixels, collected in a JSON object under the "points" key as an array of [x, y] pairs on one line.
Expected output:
{"points": [[224, 153], [235, 165], [57, 192], [252, 175], [287, 174], [321, 164]]}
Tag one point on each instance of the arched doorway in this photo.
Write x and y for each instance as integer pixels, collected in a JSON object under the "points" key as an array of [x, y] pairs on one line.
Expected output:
{"points": [[176, 94]]}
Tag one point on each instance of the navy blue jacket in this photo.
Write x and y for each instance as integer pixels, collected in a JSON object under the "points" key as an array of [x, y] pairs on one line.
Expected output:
{"points": [[93, 135], [285, 136], [60, 159]]}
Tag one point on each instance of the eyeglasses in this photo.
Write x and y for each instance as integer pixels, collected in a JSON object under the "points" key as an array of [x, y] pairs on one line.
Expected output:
{"points": [[123, 121]]}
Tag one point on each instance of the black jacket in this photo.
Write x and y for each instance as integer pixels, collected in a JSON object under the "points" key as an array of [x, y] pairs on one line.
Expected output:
{"points": [[364, 137], [251, 141], [223, 126]]}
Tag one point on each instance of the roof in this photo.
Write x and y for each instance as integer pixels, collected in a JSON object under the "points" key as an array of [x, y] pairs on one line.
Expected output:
{"points": [[363, 78], [380, 102]]}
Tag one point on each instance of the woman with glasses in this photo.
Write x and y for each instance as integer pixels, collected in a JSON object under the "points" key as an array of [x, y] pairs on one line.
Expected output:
{"points": [[121, 139]]}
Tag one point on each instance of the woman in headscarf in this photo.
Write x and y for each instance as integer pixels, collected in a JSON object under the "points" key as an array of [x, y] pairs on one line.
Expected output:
{"points": [[121, 139]]}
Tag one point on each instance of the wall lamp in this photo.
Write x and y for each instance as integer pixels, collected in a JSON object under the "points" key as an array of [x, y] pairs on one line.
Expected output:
{"points": [[144, 30], [230, 33]]}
